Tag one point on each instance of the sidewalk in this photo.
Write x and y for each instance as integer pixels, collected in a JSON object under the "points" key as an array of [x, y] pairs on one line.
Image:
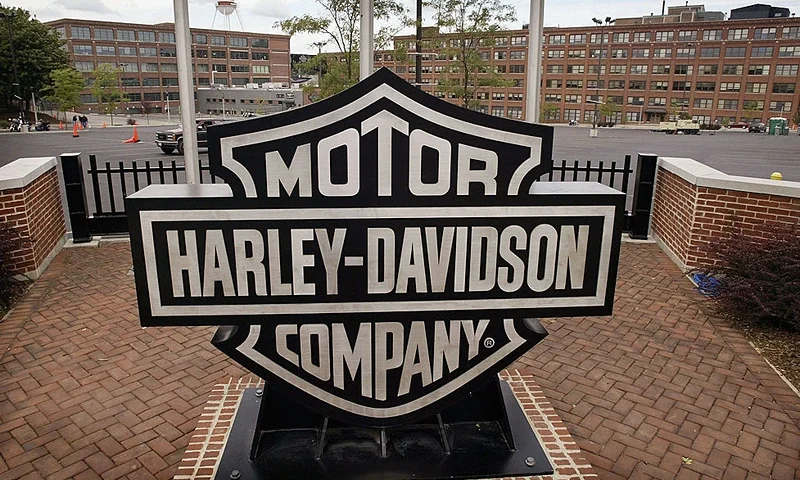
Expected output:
{"points": [[659, 390]]}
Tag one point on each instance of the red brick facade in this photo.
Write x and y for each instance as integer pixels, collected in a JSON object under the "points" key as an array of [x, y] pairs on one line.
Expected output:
{"points": [[687, 216], [35, 212]]}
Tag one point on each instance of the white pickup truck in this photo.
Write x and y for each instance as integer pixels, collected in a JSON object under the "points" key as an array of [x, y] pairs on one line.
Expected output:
{"points": [[687, 127]]}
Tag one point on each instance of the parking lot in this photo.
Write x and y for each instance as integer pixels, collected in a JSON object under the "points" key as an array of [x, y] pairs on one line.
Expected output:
{"points": [[732, 152]]}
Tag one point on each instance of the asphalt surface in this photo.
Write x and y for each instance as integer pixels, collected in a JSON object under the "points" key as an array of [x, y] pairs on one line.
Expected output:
{"points": [[735, 153]]}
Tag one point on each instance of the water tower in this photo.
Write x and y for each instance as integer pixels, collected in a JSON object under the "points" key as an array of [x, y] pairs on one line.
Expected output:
{"points": [[227, 8]]}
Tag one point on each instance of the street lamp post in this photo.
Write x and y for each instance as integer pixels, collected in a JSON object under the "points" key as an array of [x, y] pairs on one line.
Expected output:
{"points": [[686, 78], [8, 19], [608, 22]]}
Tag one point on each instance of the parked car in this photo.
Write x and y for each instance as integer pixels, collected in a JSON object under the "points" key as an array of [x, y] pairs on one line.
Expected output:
{"points": [[757, 127], [741, 125], [170, 140]]}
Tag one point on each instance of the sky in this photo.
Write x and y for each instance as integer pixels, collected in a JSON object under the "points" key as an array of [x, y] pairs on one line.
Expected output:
{"points": [[260, 15]]}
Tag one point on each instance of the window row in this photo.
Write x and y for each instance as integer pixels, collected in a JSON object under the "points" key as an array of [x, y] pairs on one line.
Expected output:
{"points": [[766, 33], [85, 33]]}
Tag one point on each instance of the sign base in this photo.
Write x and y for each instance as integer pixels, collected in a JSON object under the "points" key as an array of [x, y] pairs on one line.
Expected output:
{"points": [[485, 436]]}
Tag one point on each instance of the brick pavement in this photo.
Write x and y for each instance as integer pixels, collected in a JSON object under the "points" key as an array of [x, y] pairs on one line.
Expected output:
{"points": [[659, 390]]}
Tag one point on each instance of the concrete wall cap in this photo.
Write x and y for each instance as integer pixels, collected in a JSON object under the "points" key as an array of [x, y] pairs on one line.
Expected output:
{"points": [[23, 171], [701, 175]]}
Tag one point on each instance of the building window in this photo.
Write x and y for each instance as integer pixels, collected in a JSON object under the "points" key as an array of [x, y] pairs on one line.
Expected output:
{"points": [[202, 68], [81, 32], [238, 42], [758, 70], [594, 99], [217, 40], [596, 52], [553, 114], [730, 86], [84, 66], [518, 55], [778, 106], [632, 116], [681, 86], [659, 85], [783, 88], [577, 39], [572, 114], [639, 37], [640, 53], [240, 81], [106, 50], [264, 43], [789, 52], [707, 69], [167, 52], [514, 97], [665, 36], [657, 101], [764, 33], [555, 69], [169, 82], [550, 98], [498, 42], [552, 84], [61, 31], [786, 70], [703, 103], [637, 85], [514, 112], [574, 84], [616, 84], [576, 54], [621, 37], [576, 69], [88, 98], [166, 37], [103, 34], [761, 52], [572, 98], [82, 49], [260, 56], [147, 52], [201, 53], [705, 86], [550, 54], [169, 67], [149, 67], [732, 69], [709, 52], [557, 39], [593, 69], [728, 104], [127, 51], [502, 54], [200, 38], [661, 69], [712, 34], [618, 69], [263, 69], [516, 69], [594, 84], [219, 67], [497, 69], [240, 68], [126, 35], [134, 97], [685, 52], [755, 87], [150, 82], [146, 36], [595, 38], [683, 69], [735, 51], [687, 35], [498, 111], [635, 100], [239, 56], [152, 96], [519, 40], [738, 33], [129, 67], [638, 69], [791, 32]]}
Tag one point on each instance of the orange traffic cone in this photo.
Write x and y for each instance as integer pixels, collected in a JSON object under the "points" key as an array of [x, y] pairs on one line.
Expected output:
{"points": [[134, 138], [75, 130], [80, 126]]}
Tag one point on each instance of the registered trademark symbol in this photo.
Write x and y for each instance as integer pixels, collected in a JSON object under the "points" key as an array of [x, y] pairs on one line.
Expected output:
{"points": [[489, 342]]}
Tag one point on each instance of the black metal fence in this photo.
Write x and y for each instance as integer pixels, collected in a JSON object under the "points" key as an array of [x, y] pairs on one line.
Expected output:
{"points": [[100, 209]]}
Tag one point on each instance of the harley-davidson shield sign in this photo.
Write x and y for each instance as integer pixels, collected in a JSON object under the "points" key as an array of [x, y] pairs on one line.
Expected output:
{"points": [[377, 253]]}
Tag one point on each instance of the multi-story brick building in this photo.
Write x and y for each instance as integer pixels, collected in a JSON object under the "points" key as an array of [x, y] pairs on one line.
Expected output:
{"points": [[652, 67], [147, 57]]}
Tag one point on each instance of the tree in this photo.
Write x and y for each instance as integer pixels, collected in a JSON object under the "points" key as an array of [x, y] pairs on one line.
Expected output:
{"points": [[548, 111], [65, 89], [37, 50], [472, 24], [340, 21], [608, 109], [752, 110], [106, 88]]}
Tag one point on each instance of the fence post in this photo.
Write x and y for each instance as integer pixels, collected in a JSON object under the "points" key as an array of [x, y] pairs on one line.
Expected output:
{"points": [[76, 196], [643, 195]]}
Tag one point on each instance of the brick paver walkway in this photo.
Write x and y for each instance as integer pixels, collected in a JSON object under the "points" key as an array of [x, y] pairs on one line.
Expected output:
{"points": [[658, 390]]}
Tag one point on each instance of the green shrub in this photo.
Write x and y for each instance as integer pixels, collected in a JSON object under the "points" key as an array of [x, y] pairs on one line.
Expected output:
{"points": [[760, 277], [10, 286]]}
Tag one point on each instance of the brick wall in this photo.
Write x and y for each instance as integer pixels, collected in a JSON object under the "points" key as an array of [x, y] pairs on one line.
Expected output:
{"points": [[694, 205], [30, 202]]}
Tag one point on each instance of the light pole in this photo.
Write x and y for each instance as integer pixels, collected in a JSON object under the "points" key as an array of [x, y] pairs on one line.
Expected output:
{"points": [[608, 22], [8, 19], [686, 78], [124, 90]]}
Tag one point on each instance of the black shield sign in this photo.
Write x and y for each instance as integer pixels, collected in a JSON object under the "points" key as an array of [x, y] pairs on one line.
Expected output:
{"points": [[378, 253]]}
